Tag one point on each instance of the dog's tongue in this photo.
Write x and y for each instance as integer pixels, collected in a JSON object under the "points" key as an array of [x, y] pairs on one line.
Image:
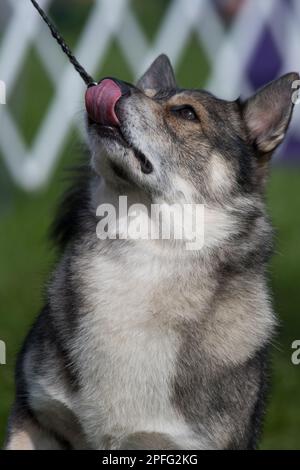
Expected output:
{"points": [[100, 102]]}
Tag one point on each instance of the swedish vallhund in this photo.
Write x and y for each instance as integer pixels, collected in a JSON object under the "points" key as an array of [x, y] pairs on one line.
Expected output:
{"points": [[143, 344]]}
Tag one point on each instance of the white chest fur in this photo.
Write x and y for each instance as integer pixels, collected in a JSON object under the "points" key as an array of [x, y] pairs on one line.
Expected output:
{"points": [[127, 347]]}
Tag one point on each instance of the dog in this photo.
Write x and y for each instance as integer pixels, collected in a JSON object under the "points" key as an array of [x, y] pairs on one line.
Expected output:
{"points": [[143, 344]]}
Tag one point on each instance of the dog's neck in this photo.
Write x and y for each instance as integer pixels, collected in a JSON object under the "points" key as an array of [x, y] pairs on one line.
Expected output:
{"points": [[215, 226]]}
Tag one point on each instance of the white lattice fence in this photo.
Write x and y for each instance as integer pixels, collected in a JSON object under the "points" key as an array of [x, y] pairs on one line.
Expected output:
{"points": [[229, 52]]}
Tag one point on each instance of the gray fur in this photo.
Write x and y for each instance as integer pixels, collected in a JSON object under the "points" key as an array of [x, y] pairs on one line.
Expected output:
{"points": [[143, 344]]}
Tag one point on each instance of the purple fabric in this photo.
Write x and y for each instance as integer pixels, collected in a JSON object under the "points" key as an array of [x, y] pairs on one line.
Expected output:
{"points": [[266, 64], [289, 153]]}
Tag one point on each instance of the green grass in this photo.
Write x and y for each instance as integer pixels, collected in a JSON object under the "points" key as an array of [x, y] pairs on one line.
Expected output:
{"points": [[283, 419], [26, 258]]}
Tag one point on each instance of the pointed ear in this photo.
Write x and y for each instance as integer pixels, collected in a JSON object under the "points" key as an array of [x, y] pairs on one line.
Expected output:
{"points": [[159, 76], [268, 113]]}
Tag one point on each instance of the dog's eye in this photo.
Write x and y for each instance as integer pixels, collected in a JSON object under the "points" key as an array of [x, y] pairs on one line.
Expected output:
{"points": [[185, 112]]}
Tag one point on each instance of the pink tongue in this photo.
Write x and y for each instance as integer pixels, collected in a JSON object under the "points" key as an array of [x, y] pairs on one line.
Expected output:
{"points": [[100, 102]]}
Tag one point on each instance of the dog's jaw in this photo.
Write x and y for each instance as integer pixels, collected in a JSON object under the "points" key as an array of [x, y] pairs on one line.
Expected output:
{"points": [[102, 102]]}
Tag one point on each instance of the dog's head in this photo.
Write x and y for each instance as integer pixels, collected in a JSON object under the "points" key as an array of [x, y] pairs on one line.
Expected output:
{"points": [[180, 144]]}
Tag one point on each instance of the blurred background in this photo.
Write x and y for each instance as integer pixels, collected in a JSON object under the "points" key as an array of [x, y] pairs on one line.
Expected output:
{"points": [[230, 47]]}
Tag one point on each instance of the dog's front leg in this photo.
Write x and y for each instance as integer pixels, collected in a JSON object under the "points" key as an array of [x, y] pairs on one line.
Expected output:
{"points": [[26, 434]]}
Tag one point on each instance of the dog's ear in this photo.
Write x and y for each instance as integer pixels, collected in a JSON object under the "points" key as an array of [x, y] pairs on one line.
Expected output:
{"points": [[159, 76], [268, 113]]}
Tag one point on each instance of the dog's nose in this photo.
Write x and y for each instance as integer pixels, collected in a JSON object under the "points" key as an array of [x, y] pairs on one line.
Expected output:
{"points": [[125, 87]]}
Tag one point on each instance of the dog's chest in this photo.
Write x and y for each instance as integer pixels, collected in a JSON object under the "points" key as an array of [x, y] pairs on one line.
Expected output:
{"points": [[128, 345]]}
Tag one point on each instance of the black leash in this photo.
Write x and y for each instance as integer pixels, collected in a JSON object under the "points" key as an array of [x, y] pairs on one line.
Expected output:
{"points": [[89, 81]]}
